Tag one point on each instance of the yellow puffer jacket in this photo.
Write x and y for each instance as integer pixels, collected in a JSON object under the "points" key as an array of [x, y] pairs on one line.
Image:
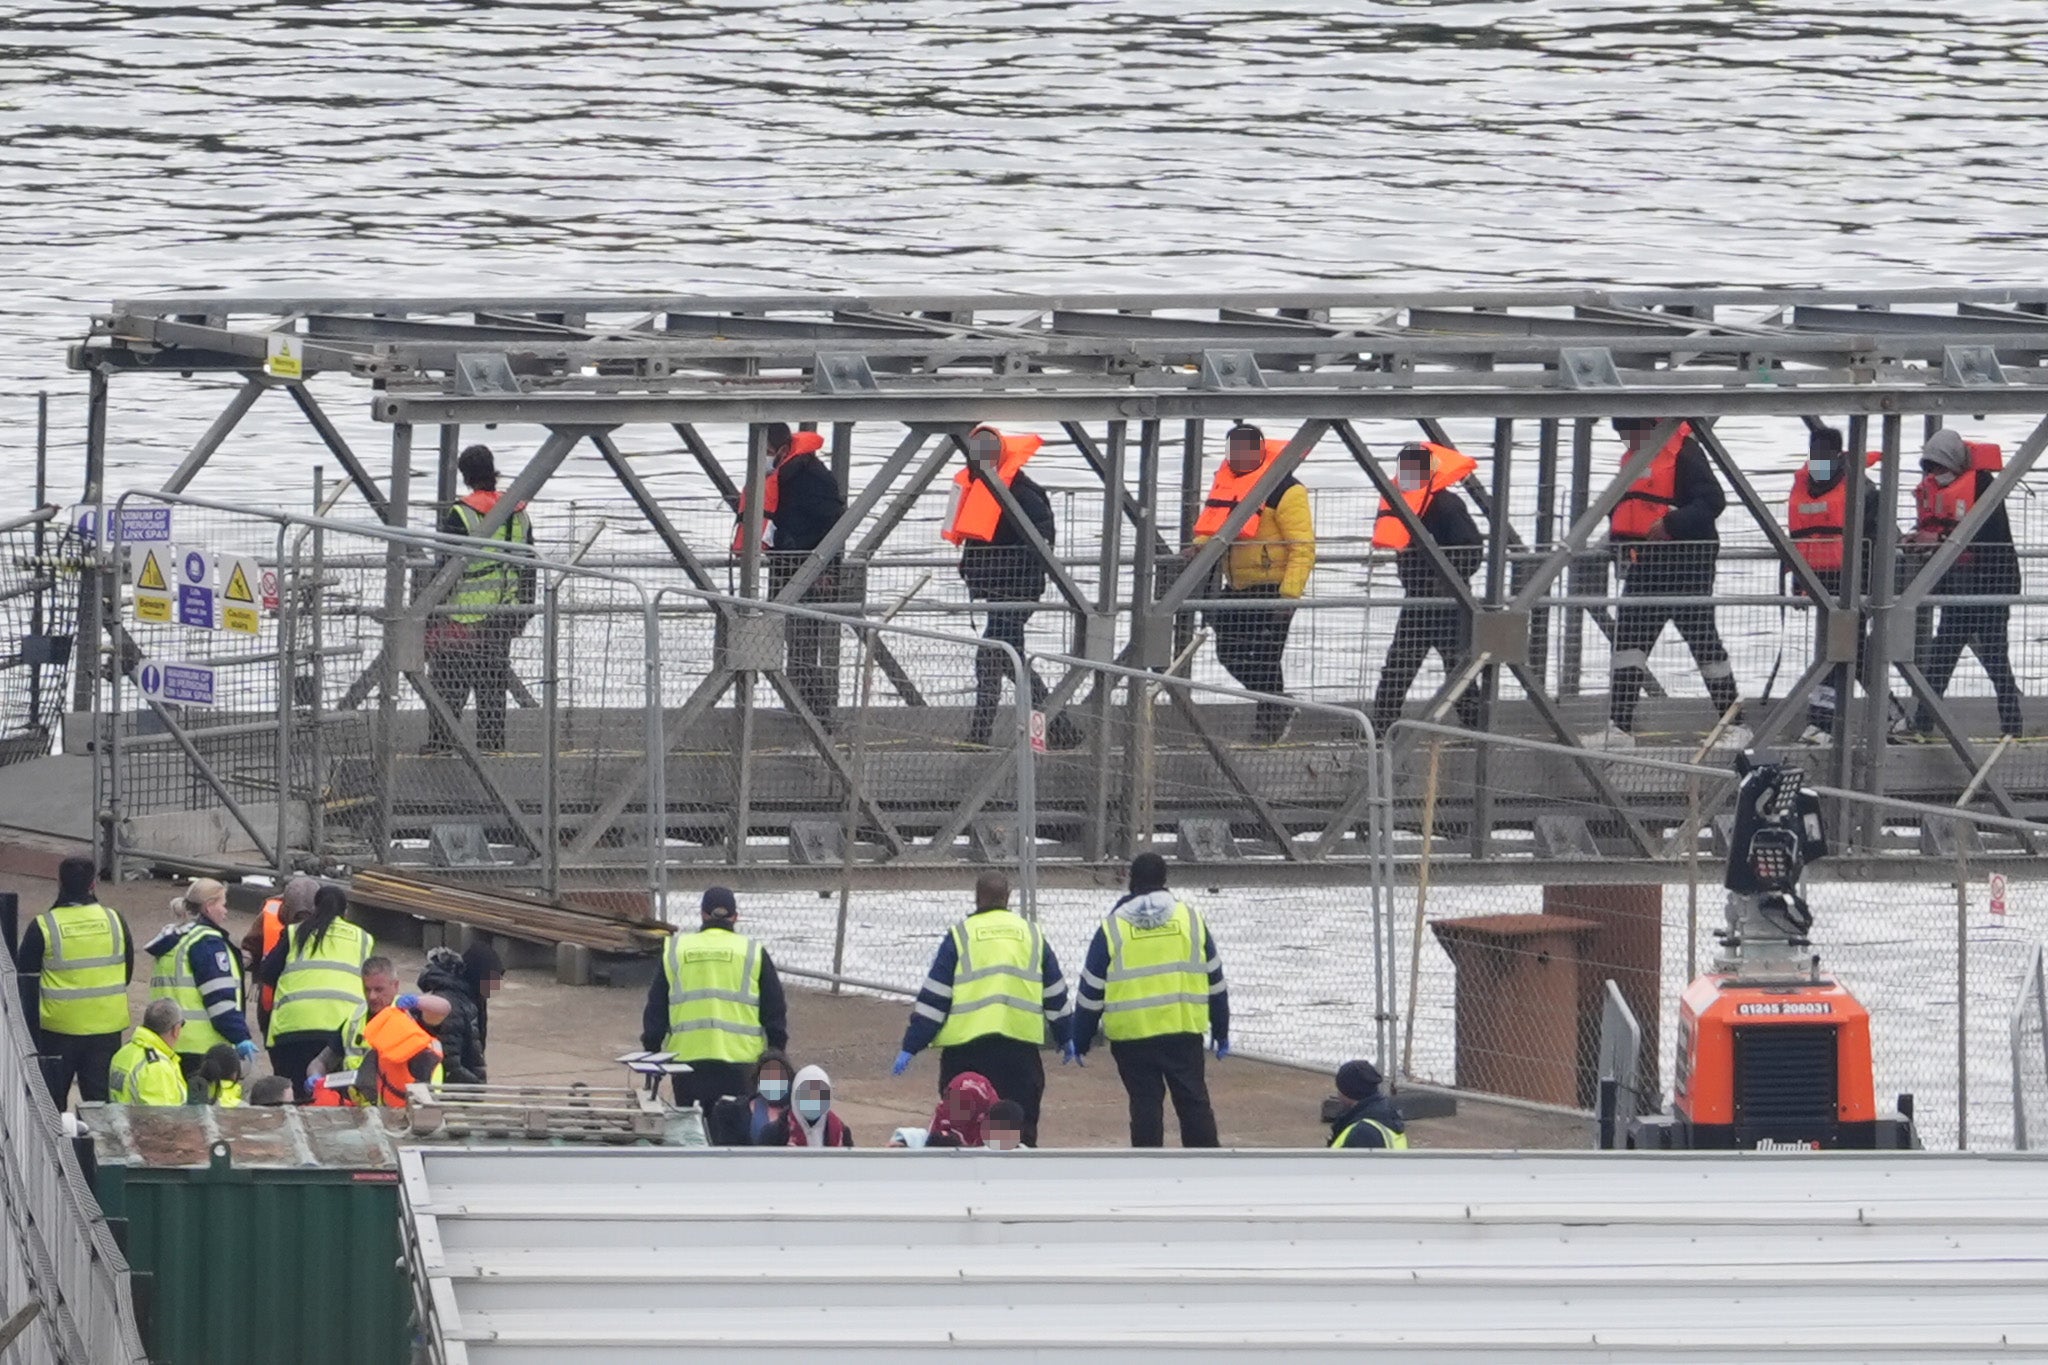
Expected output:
{"points": [[1282, 550]]}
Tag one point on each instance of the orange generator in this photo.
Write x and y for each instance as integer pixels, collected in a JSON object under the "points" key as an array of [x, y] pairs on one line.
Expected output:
{"points": [[1771, 1054]]}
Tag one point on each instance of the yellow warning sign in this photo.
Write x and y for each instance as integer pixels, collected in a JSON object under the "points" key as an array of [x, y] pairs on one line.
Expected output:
{"points": [[151, 579], [156, 609], [149, 565], [238, 610], [281, 357], [238, 589]]}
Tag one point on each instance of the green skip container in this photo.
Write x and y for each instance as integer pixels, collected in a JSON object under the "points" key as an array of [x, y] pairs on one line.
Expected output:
{"points": [[257, 1236]]}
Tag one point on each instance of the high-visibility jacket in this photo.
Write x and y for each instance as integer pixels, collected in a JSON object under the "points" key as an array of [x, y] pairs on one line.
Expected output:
{"points": [[1158, 979], [146, 1071], [714, 997], [173, 980], [975, 513], [1941, 508], [85, 970], [396, 1037], [1393, 1141], [487, 584], [1228, 489], [321, 985], [998, 981], [272, 920], [800, 443], [1446, 468], [337, 1089], [1651, 496], [225, 1095]]}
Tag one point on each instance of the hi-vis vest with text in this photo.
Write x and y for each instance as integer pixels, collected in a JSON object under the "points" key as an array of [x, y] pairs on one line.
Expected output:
{"points": [[1941, 509], [321, 985], [1230, 488], [800, 443], [1158, 979], [714, 997], [488, 583], [974, 513], [998, 983], [1446, 467], [173, 980], [1651, 496], [84, 983]]}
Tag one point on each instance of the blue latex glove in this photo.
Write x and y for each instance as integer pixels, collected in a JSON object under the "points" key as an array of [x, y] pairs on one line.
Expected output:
{"points": [[407, 1002], [900, 1065], [246, 1050], [1222, 1048], [1068, 1054]]}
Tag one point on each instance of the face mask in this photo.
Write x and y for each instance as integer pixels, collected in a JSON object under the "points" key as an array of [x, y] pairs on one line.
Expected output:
{"points": [[775, 1092], [812, 1110], [1942, 474], [1821, 471]]}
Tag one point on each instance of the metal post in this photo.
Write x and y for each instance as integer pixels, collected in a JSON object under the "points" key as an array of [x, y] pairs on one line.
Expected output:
{"points": [[1583, 576], [1881, 650], [316, 816], [42, 570], [656, 741], [85, 674], [287, 672], [394, 608], [1546, 530], [1027, 798], [1144, 631], [1496, 596], [1962, 986], [1429, 790], [1109, 564], [444, 480], [1190, 511], [551, 743]]}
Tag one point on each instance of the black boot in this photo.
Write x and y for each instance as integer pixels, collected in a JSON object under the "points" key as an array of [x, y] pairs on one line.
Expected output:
{"points": [[988, 689]]}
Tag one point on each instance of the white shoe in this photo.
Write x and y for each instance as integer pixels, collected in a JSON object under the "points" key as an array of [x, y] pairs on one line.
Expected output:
{"points": [[1814, 735], [1736, 737], [1613, 739]]}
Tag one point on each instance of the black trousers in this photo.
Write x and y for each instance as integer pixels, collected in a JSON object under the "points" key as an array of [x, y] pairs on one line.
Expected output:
{"points": [[1420, 628], [481, 664], [709, 1081], [1012, 1066], [292, 1053], [811, 648], [82, 1057], [1984, 631], [1006, 622], [1636, 629], [1252, 640], [1152, 1069]]}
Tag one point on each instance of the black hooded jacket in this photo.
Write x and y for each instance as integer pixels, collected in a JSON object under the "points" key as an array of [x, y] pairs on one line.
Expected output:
{"points": [[1007, 568], [1379, 1109], [462, 1045]]}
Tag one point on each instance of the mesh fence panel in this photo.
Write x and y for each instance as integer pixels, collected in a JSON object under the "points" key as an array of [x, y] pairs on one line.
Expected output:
{"points": [[40, 563], [2028, 1033]]}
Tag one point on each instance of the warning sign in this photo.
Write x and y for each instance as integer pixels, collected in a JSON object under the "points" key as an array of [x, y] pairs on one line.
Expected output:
{"points": [[147, 565], [267, 585], [281, 359], [1998, 893], [238, 611]]}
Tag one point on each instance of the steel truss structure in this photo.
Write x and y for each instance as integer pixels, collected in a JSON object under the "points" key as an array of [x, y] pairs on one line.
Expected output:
{"points": [[1135, 380]]}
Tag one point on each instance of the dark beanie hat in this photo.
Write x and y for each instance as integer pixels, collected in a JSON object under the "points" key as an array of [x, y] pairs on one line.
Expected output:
{"points": [[74, 880], [1358, 1080], [1148, 873], [719, 903]]}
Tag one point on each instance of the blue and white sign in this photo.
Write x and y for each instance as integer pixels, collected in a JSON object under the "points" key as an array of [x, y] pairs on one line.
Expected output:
{"points": [[137, 525], [177, 684], [198, 603]]}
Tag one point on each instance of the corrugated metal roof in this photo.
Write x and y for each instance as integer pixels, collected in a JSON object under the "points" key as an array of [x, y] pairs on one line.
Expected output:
{"points": [[257, 1136], [657, 1256]]}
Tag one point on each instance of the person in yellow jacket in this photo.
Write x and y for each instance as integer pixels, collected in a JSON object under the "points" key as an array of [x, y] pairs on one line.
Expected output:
{"points": [[74, 965], [146, 1070], [1266, 568], [716, 1004]]}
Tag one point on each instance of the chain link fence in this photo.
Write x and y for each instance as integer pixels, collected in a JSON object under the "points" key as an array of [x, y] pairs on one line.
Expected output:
{"points": [[40, 563], [2028, 1029]]}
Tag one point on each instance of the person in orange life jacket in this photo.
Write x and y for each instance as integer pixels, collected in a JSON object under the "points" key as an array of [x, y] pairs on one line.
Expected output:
{"points": [[802, 503], [1427, 474], [469, 645], [327, 1076], [1002, 568], [1953, 476], [1816, 511], [1266, 568], [68, 1054], [1663, 537], [403, 1047]]}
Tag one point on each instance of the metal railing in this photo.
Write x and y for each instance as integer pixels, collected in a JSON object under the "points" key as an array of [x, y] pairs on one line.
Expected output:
{"points": [[2029, 1031]]}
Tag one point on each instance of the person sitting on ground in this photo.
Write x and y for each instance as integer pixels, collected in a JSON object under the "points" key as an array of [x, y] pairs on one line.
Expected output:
{"points": [[1005, 1126], [810, 1121], [145, 1070], [270, 1092], [462, 1048], [218, 1079], [735, 1122], [1371, 1120], [961, 1120]]}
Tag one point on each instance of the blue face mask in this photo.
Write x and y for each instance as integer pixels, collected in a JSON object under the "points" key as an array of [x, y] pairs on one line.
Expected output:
{"points": [[1821, 471], [812, 1110], [775, 1092]]}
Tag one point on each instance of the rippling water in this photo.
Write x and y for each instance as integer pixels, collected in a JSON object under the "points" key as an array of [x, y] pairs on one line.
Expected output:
{"points": [[640, 144]]}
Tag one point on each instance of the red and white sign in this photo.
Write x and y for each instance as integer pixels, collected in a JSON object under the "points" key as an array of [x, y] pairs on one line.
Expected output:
{"points": [[268, 589], [1998, 893], [1038, 732]]}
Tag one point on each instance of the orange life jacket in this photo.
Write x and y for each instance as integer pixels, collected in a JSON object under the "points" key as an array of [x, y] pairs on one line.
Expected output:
{"points": [[396, 1037], [273, 930], [975, 513], [1228, 489], [1446, 467], [1816, 519], [801, 443], [1651, 496], [482, 500], [1942, 508]]}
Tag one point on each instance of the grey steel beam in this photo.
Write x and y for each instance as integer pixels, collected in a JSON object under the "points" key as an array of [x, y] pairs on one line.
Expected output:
{"points": [[1418, 534], [1132, 507], [1062, 580], [440, 710], [1632, 468], [856, 512], [331, 437], [1773, 529], [223, 426], [528, 482], [650, 508], [700, 451]]}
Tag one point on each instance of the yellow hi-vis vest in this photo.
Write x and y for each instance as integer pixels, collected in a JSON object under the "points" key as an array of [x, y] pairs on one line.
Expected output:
{"points": [[146, 1071], [1158, 979], [488, 583], [1390, 1140], [173, 980], [85, 978], [999, 981], [317, 994], [714, 997], [226, 1095]]}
